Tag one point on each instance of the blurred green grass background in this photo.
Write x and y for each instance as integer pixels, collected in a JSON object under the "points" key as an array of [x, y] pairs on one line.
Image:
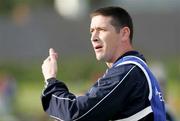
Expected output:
{"points": [[79, 75]]}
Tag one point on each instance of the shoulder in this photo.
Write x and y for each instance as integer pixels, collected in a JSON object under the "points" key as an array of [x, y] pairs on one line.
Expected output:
{"points": [[130, 71], [120, 70]]}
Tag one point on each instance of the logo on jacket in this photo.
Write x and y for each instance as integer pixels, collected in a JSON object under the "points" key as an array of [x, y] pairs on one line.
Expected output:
{"points": [[158, 93]]}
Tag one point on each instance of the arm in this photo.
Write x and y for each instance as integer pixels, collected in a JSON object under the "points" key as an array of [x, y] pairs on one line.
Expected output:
{"points": [[105, 99], [102, 102]]}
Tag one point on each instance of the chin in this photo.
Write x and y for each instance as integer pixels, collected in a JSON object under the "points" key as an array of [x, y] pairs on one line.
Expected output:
{"points": [[100, 58]]}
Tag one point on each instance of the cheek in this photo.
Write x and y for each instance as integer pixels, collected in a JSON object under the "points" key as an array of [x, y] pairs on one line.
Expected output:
{"points": [[111, 46], [109, 41], [106, 38]]}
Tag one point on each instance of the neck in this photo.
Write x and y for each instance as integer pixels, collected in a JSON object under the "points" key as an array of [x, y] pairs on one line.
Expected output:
{"points": [[110, 63]]}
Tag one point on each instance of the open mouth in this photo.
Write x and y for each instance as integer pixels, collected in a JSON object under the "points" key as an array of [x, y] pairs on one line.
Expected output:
{"points": [[98, 47]]}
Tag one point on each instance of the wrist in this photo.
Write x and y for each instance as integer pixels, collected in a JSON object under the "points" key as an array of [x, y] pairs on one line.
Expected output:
{"points": [[50, 80], [49, 76]]}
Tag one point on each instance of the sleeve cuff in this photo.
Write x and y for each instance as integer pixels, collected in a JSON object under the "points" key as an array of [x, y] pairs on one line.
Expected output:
{"points": [[50, 81]]}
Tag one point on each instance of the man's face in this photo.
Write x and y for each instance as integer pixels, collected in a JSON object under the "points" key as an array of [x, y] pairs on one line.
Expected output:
{"points": [[104, 38]]}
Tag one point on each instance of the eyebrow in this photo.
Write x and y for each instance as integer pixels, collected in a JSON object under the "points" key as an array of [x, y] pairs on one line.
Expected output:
{"points": [[100, 28]]}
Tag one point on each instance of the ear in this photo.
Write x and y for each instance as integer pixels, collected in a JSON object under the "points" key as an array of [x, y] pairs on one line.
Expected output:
{"points": [[125, 33]]}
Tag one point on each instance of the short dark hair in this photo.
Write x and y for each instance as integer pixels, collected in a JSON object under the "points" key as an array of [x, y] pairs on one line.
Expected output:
{"points": [[120, 18]]}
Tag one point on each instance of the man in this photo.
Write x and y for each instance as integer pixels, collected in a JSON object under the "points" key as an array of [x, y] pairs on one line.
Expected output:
{"points": [[127, 92]]}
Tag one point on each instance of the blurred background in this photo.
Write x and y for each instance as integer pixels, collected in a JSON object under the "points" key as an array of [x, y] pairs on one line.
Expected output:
{"points": [[29, 28]]}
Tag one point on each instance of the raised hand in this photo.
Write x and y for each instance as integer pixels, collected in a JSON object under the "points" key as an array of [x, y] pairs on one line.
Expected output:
{"points": [[49, 66]]}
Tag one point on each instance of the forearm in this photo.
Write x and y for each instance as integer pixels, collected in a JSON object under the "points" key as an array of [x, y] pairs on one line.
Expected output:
{"points": [[59, 103], [56, 99]]}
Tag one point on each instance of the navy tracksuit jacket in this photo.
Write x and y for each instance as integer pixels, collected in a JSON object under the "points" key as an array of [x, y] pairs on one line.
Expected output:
{"points": [[127, 92]]}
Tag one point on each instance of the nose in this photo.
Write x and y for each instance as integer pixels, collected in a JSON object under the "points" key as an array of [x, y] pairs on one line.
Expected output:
{"points": [[94, 36]]}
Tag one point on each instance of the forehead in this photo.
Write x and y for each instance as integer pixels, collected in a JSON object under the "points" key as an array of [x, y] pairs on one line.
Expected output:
{"points": [[100, 21]]}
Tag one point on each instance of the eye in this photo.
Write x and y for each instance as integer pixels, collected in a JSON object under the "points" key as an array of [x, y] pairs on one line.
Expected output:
{"points": [[101, 29], [91, 31]]}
